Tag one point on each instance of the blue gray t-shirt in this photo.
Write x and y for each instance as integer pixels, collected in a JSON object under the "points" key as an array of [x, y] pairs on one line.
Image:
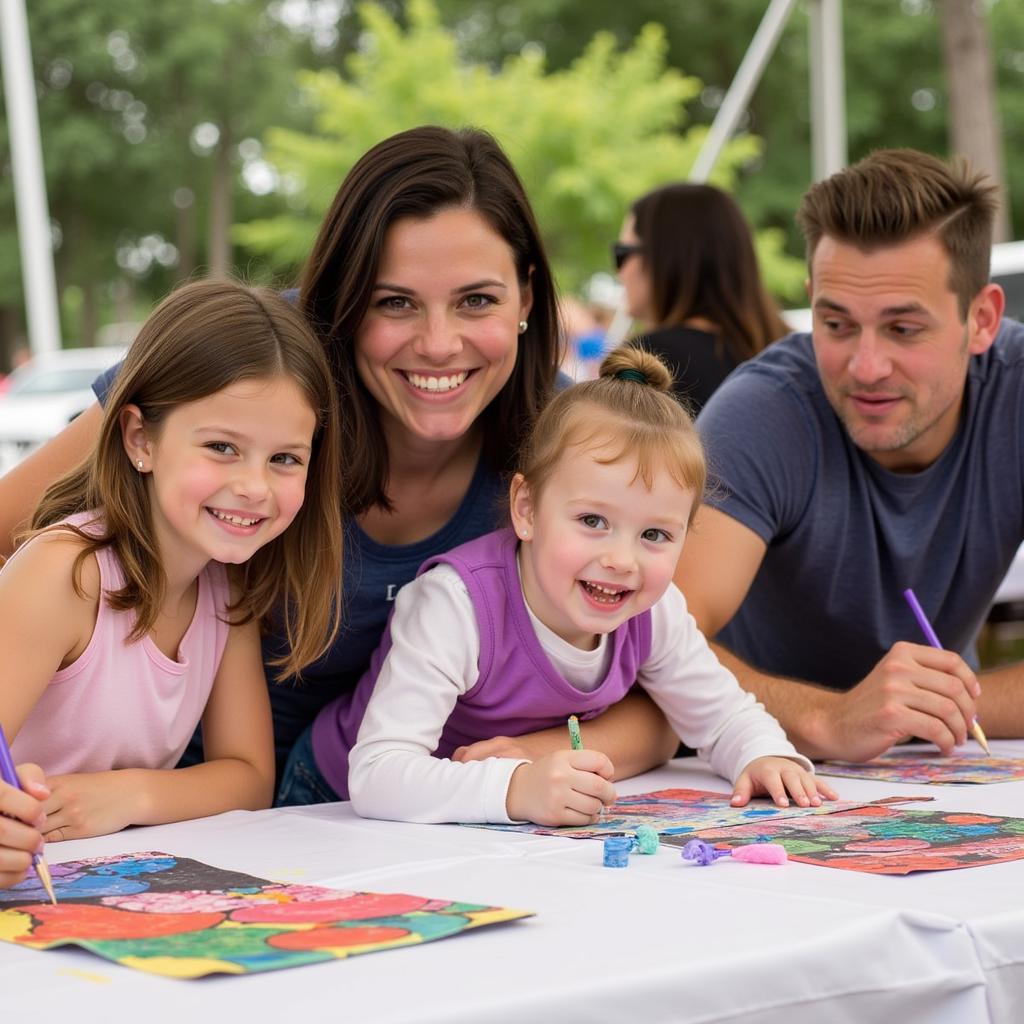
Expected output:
{"points": [[372, 574], [845, 536]]}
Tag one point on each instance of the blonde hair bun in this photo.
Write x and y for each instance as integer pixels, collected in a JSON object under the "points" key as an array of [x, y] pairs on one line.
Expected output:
{"points": [[640, 363], [628, 412]]}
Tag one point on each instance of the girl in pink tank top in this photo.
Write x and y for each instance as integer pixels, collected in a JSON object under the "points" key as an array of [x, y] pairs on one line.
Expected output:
{"points": [[133, 611]]}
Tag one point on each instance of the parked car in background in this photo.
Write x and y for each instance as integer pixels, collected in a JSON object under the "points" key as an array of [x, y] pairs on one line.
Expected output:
{"points": [[45, 394], [1007, 271]]}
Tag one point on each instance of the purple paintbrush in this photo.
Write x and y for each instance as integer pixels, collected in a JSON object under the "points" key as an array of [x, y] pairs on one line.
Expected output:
{"points": [[929, 635], [10, 776]]}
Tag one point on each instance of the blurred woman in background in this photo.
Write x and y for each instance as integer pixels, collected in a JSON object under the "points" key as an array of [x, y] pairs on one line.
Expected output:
{"points": [[685, 257]]}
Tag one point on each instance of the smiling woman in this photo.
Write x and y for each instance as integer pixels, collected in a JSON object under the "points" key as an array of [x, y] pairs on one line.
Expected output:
{"points": [[441, 336], [444, 261], [431, 294]]}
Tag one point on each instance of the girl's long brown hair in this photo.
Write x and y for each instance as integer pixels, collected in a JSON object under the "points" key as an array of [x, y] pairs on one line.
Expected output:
{"points": [[203, 338]]}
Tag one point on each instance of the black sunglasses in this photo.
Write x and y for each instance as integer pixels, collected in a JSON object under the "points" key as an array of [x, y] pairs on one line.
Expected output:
{"points": [[621, 251]]}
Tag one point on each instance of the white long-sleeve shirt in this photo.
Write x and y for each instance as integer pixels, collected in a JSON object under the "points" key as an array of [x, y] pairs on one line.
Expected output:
{"points": [[433, 662]]}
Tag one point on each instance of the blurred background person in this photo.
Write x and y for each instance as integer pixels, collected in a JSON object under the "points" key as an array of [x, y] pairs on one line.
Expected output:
{"points": [[19, 357], [585, 325], [685, 257]]}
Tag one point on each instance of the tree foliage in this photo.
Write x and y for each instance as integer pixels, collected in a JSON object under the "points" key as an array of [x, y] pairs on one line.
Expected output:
{"points": [[593, 105], [121, 89], [587, 139], [895, 80]]}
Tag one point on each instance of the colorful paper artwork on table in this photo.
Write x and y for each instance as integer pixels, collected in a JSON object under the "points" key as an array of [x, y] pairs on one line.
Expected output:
{"points": [[879, 836], [184, 919], [883, 839], [929, 767], [680, 812]]}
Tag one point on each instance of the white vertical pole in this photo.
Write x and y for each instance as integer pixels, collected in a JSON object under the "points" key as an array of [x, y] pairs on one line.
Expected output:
{"points": [[828, 99], [761, 48], [34, 235], [748, 74]]}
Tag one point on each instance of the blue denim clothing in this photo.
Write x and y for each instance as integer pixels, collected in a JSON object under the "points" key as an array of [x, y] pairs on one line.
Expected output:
{"points": [[301, 782]]}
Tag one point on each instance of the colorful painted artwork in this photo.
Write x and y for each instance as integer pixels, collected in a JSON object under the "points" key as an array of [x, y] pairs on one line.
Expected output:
{"points": [[883, 839], [929, 766], [184, 919], [679, 812]]}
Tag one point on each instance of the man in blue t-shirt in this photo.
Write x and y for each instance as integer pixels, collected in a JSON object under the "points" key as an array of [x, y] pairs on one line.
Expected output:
{"points": [[886, 452]]}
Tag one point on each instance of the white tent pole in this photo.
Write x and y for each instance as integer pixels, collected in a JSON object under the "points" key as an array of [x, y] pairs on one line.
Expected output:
{"points": [[761, 48], [34, 234], [759, 52], [828, 101], [828, 107]]}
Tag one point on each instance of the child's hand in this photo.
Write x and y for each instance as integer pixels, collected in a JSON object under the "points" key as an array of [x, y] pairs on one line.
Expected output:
{"points": [[496, 746], [778, 776], [568, 787], [22, 823], [89, 804]]}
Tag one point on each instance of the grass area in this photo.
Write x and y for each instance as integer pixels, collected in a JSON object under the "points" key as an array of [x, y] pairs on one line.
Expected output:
{"points": [[1001, 640]]}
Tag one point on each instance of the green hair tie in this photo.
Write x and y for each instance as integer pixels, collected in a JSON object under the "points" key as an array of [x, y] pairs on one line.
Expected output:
{"points": [[630, 374]]}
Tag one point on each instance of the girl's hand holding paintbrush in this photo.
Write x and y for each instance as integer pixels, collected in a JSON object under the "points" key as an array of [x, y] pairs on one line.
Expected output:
{"points": [[22, 822], [568, 787]]}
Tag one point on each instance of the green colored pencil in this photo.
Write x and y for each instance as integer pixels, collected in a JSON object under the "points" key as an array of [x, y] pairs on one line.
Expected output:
{"points": [[575, 739]]}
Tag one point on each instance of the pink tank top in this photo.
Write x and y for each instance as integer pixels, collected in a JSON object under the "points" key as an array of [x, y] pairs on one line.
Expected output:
{"points": [[127, 705]]}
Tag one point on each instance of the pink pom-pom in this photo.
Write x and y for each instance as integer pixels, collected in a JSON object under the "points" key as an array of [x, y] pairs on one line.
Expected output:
{"points": [[760, 853]]}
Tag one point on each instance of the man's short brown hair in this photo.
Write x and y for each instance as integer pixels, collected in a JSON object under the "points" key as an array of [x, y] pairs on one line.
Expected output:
{"points": [[896, 195]]}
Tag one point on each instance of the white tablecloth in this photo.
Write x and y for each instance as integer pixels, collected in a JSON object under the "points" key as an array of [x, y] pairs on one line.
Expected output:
{"points": [[661, 940], [1012, 587]]}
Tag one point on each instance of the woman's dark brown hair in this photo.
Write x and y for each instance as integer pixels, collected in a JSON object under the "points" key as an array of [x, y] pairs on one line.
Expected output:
{"points": [[699, 255], [419, 173], [203, 338]]}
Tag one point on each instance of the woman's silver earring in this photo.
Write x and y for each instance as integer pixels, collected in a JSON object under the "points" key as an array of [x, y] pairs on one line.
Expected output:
{"points": [[139, 464], [522, 326]]}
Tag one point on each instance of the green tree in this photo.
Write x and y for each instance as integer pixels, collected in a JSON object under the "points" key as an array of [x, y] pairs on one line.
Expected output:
{"points": [[122, 89], [895, 82], [587, 139]]}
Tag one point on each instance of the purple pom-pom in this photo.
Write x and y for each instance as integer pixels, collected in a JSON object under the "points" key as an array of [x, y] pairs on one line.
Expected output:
{"points": [[701, 852]]}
